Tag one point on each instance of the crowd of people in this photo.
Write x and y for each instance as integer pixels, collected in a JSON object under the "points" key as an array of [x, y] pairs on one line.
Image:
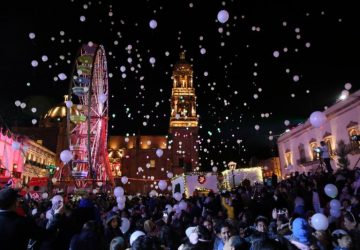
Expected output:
{"points": [[276, 215]]}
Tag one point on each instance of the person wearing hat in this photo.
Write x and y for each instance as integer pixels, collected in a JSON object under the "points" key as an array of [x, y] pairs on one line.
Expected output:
{"points": [[341, 240], [112, 229], [15, 230]]}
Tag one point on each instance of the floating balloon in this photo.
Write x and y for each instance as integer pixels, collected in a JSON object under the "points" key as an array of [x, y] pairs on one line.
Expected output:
{"points": [[317, 119], [159, 152], [121, 199], [68, 104], [15, 145], [153, 24], [44, 195], [319, 221], [125, 225], [170, 175], [121, 206], [124, 180], [336, 213], [348, 86], [66, 156], [17, 103], [118, 191], [169, 188], [214, 169], [162, 185], [287, 122], [178, 196], [335, 204], [183, 205], [54, 180], [331, 190], [223, 16], [153, 193], [102, 98]]}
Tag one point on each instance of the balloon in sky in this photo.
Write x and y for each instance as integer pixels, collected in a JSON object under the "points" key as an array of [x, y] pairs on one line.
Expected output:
{"points": [[223, 16]]}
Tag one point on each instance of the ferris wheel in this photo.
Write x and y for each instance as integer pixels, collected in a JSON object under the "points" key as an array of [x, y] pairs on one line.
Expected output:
{"points": [[87, 135]]}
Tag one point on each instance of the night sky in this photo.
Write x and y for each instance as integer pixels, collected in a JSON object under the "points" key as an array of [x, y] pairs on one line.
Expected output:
{"points": [[272, 63]]}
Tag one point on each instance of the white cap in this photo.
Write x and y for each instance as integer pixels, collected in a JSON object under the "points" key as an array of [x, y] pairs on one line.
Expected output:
{"points": [[135, 235]]}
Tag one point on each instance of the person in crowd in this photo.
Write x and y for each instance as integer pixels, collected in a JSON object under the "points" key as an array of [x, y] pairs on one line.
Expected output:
{"points": [[223, 235], [325, 156], [112, 230], [118, 243], [15, 230], [341, 240], [87, 239]]}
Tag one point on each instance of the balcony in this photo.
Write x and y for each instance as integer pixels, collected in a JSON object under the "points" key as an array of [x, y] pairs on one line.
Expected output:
{"points": [[306, 162]]}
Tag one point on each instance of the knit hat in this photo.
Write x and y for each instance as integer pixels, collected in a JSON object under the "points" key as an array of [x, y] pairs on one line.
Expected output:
{"points": [[135, 235], [300, 229]]}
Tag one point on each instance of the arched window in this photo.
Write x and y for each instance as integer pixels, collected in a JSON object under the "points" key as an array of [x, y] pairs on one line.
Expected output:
{"points": [[351, 132], [302, 153], [288, 158], [328, 139], [313, 144]]}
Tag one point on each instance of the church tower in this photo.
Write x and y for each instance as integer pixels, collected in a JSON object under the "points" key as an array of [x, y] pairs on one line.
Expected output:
{"points": [[183, 121]]}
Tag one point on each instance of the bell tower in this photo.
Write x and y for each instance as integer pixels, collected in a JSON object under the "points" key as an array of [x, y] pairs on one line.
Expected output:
{"points": [[183, 120]]}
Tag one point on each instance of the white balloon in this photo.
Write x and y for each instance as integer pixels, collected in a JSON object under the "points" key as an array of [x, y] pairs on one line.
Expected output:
{"points": [[214, 169], [23, 105], [33, 121], [31, 35], [121, 206], [118, 191], [68, 104], [159, 152], [33, 110], [153, 193], [95, 191], [319, 221], [162, 185], [34, 63], [66, 156], [169, 188], [223, 16], [125, 225], [62, 76], [15, 145], [336, 213], [153, 24], [17, 103], [170, 175], [348, 86], [124, 180], [178, 196], [102, 98], [317, 119], [121, 199], [331, 190], [56, 199], [152, 60], [257, 127], [287, 122], [126, 139], [183, 205], [44, 195], [335, 204], [34, 211], [54, 180]]}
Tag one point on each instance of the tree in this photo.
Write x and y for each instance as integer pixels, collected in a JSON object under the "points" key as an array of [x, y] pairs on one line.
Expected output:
{"points": [[342, 151]]}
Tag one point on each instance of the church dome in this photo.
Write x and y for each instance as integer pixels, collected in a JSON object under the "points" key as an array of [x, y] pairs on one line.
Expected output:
{"points": [[58, 113]]}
